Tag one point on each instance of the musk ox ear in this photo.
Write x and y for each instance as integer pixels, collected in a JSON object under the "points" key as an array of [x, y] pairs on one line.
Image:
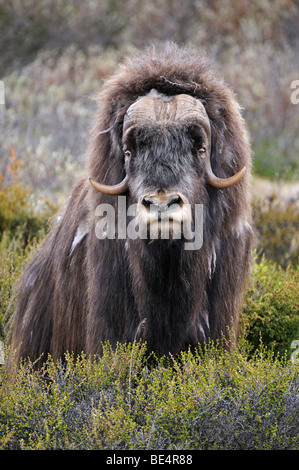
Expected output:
{"points": [[105, 163], [117, 154], [116, 130], [217, 148]]}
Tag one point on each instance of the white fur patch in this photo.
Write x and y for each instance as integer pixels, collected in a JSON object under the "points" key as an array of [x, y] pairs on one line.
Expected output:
{"points": [[212, 262], [206, 319], [160, 96], [240, 227], [202, 331], [80, 234]]}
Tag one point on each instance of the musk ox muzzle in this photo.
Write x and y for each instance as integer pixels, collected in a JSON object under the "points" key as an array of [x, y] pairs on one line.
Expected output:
{"points": [[166, 214]]}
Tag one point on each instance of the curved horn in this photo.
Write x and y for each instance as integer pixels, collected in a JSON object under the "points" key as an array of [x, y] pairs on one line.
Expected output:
{"points": [[195, 109], [222, 182], [119, 188]]}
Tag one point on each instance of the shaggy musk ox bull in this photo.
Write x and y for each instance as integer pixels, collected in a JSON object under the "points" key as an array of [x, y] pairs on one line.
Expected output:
{"points": [[167, 135]]}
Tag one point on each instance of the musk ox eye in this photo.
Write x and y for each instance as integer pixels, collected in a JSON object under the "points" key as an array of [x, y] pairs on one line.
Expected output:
{"points": [[127, 153], [202, 151]]}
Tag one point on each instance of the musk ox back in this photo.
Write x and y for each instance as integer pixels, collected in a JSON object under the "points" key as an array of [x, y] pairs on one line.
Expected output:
{"points": [[168, 150]]}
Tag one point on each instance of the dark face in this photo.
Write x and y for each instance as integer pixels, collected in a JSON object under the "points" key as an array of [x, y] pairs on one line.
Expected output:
{"points": [[166, 169], [169, 158]]}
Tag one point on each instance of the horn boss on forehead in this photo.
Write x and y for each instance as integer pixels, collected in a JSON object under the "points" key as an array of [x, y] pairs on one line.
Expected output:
{"points": [[166, 110]]}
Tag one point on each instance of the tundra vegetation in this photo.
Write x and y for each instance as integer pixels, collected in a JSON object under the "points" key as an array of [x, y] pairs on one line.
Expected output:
{"points": [[209, 399]]}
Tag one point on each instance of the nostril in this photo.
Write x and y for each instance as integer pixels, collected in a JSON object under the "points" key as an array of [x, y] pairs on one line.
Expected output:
{"points": [[175, 200], [162, 203], [147, 202]]}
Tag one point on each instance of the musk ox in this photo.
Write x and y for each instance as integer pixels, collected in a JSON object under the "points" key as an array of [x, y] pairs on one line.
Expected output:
{"points": [[167, 135]]}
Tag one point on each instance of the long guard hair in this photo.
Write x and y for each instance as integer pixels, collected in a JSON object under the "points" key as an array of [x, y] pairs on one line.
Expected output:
{"points": [[79, 291]]}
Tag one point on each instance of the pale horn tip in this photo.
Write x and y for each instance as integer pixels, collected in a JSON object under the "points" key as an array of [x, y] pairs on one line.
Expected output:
{"points": [[119, 188]]}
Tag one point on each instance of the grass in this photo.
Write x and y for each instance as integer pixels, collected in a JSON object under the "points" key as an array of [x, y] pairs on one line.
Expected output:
{"points": [[270, 311]]}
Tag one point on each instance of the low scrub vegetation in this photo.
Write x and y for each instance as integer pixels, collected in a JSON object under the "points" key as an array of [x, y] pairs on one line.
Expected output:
{"points": [[21, 213], [207, 399], [276, 225], [270, 312]]}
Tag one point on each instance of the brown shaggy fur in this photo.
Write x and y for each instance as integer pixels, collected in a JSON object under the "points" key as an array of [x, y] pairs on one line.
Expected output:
{"points": [[75, 298]]}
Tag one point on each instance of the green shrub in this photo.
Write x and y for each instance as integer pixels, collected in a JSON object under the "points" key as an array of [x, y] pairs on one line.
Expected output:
{"points": [[271, 308], [271, 162], [23, 223], [276, 224], [21, 214], [13, 258], [207, 400]]}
